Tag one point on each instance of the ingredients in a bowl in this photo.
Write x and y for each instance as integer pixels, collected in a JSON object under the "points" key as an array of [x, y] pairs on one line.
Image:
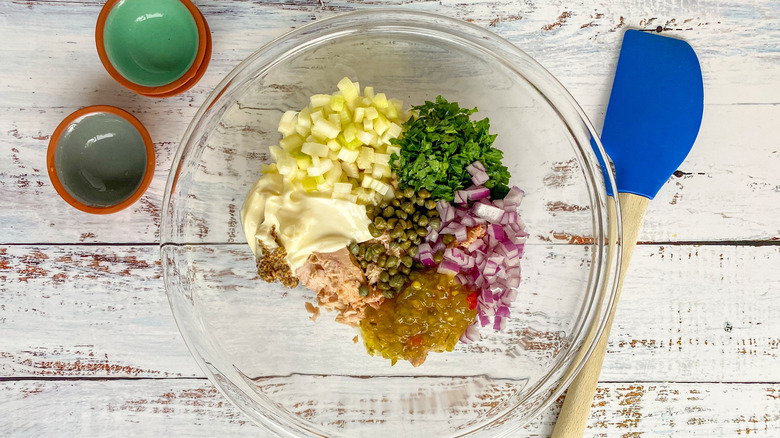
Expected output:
{"points": [[337, 279], [429, 315], [437, 146], [402, 222], [303, 223], [399, 226]]}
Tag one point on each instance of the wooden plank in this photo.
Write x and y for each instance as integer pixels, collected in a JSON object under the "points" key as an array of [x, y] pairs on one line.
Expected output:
{"points": [[575, 40], [697, 313], [186, 407]]}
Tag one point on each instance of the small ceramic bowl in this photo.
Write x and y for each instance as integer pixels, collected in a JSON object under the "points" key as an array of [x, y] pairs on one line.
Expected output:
{"points": [[198, 75], [152, 47], [100, 159]]}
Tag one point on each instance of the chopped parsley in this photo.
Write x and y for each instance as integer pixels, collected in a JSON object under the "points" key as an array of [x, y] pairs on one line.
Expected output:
{"points": [[437, 145]]}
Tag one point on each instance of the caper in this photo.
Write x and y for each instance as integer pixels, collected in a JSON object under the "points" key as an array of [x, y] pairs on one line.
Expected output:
{"points": [[435, 223], [405, 270], [393, 246], [421, 231], [354, 248], [396, 203], [406, 245], [396, 280], [400, 214], [408, 192], [408, 207], [414, 275], [422, 221], [388, 294], [432, 213], [363, 264], [362, 251], [438, 257], [379, 223], [382, 261], [447, 238], [420, 202], [384, 277], [392, 271], [418, 265], [413, 250], [407, 261], [383, 204], [387, 212], [383, 286], [410, 233], [416, 217], [363, 290], [416, 240], [397, 232], [391, 222], [369, 255], [374, 230], [392, 262], [378, 248], [430, 204], [424, 193]]}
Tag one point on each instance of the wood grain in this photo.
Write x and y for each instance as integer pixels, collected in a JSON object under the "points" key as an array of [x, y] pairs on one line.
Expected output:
{"points": [[192, 407], [112, 319]]}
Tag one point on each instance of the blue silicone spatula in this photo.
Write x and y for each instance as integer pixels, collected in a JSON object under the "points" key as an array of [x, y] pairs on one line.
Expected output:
{"points": [[652, 121]]}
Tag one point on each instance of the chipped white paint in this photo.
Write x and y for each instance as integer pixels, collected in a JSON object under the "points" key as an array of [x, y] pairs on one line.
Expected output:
{"points": [[691, 315]]}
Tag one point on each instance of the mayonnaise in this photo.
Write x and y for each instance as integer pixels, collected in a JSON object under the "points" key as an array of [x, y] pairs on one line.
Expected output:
{"points": [[305, 222]]}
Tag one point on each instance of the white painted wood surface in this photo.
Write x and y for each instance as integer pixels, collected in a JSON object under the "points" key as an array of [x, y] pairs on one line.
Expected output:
{"points": [[87, 343]]}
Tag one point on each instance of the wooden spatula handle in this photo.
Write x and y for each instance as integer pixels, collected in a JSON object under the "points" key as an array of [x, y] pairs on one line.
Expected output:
{"points": [[579, 397]]}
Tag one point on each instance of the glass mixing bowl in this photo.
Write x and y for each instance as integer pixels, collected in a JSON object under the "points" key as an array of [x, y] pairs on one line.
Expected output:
{"points": [[298, 378]]}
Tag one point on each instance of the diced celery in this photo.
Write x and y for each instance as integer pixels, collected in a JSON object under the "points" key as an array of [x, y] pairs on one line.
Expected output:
{"points": [[291, 142], [325, 165], [334, 118], [349, 91], [333, 174], [365, 101], [325, 129], [304, 118], [345, 117], [337, 103], [276, 152], [287, 165], [318, 149], [350, 169], [383, 159], [348, 156], [360, 112], [309, 184], [364, 136], [319, 100], [350, 132], [380, 187], [268, 168], [287, 123], [381, 124], [367, 181], [303, 160], [394, 130], [316, 115], [368, 124], [354, 144], [369, 92], [365, 158], [393, 150], [334, 145], [371, 113], [340, 187], [380, 101]]}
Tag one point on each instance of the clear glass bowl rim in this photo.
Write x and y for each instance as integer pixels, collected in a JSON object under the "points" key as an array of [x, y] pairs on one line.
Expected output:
{"points": [[298, 39]]}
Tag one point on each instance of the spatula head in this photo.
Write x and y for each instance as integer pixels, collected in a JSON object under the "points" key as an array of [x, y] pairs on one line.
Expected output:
{"points": [[654, 111]]}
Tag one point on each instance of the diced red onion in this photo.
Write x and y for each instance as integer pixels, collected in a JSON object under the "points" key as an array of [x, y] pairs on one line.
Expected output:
{"points": [[448, 267], [475, 167], [479, 178], [477, 193], [514, 196], [499, 323], [502, 311], [487, 212], [461, 197]]}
